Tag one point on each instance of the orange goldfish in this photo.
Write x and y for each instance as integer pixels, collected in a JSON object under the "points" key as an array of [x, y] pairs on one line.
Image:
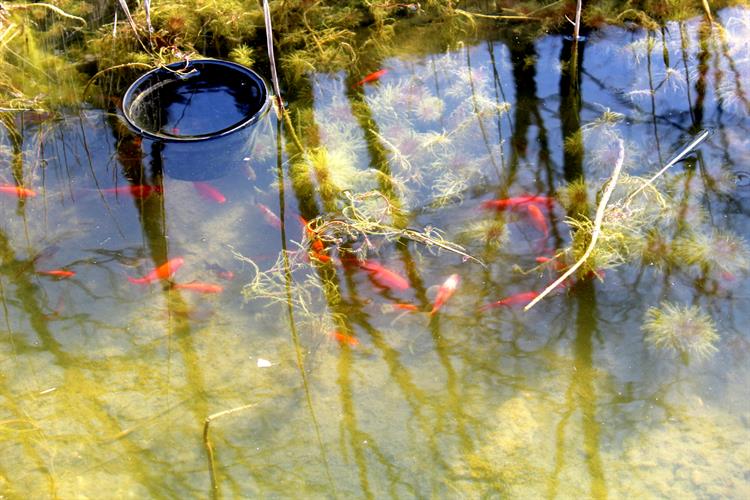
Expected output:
{"points": [[405, 307], [515, 202], [136, 191], [384, 277], [518, 299], [321, 256], [445, 291], [164, 271], [58, 273], [374, 76], [537, 219], [209, 192], [398, 307], [316, 245], [17, 191], [271, 218], [199, 287], [556, 264], [343, 338]]}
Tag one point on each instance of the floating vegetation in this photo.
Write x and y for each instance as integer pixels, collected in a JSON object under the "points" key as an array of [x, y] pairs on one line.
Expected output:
{"points": [[624, 225], [685, 330], [430, 138], [370, 215], [718, 252], [275, 284]]}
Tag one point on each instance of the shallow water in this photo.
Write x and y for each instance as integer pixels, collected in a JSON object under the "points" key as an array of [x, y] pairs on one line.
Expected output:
{"points": [[106, 385]]}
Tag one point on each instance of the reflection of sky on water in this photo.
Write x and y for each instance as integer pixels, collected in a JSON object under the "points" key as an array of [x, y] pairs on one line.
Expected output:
{"points": [[105, 383]]}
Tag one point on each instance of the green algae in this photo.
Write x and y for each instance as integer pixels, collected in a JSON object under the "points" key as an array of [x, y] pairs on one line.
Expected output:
{"points": [[322, 36], [682, 330]]}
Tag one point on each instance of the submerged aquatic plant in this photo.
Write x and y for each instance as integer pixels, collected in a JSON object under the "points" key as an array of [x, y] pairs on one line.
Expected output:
{"points": [[624, 228], [370, 215], [719, 251], [680, 329]]}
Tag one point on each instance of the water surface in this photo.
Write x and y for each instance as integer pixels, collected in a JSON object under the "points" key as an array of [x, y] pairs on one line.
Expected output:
{"points": [[106, 385]]}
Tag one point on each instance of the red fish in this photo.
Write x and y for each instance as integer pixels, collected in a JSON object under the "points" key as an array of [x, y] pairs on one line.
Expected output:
{"points": [[445, 291], [556, 264], [137, 191], [343, 338], [58, 273], [321, 257], [405, 307], [374, 76], [219, 271], [316, 245], [209, 192], [162, 272], [515, 202], [271, 218], [303, 222], [518, 299], [537, 218], [17, 191], [199, 287], [398, 306], [384, 277]]}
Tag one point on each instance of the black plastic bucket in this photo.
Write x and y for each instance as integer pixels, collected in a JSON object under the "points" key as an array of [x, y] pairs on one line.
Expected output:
{"points": [[202, 115]]}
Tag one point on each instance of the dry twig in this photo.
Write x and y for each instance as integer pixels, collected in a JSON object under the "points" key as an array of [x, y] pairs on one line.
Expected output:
{"points": [[596, 230], [209, 448]]}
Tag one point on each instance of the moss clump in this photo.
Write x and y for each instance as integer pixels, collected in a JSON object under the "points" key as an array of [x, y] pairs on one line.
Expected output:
{"points": [[625, 227], [680, 329], [716, 252]]}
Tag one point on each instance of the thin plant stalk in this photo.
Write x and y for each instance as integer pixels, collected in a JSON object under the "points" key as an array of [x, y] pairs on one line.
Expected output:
{"points": [[209, 447], [147, 9], [687, 149], [471, 15], [577, 24], [596, 230], [131, 21], [271, 58]]}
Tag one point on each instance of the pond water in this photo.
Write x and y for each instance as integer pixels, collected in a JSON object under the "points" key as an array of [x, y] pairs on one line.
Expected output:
{"points": [[287, 368]]}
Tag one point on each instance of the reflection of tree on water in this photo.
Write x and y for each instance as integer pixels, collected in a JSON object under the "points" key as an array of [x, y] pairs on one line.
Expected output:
{"points": [[78, 387], [417, 399], [440, 403], [153, 220], [580, 395]]}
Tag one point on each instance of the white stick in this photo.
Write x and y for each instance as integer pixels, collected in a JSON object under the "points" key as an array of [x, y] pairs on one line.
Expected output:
{"points": [[701, 137], [594, 233], [577, 27]]}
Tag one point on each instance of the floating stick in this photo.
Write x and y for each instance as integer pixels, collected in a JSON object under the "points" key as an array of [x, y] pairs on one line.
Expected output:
{"points": [[595, 232], [700, 138], [210, 449]]}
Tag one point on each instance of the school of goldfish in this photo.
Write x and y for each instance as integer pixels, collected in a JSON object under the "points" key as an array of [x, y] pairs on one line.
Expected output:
{"points": [[163, 272], [535, 208]]}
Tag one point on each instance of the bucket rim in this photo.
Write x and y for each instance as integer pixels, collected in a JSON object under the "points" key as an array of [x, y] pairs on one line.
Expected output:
{"points": [[134, 91]]}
